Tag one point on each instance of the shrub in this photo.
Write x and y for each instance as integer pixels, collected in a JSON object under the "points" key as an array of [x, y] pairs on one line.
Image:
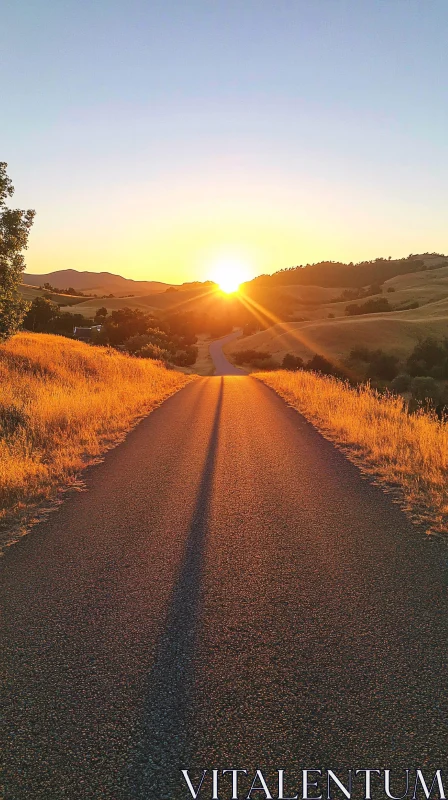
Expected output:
{"points": [[425, 388], [429, 355], [266, 364], [361, 354], [135, 343], [369, 307], [401, 383], [321, 364], [291, 361], [383, 366], [248, 356], [185, 357], [153, 351]]}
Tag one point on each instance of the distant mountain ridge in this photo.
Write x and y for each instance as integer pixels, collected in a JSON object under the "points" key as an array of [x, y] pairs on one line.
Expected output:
{"points": [[95, 282]]}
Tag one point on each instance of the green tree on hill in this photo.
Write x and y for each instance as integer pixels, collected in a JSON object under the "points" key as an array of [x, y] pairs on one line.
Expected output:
{"points": [[15, 226], [39, 314]]}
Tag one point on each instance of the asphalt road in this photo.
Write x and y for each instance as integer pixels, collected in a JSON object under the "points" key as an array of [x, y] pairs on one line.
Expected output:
{"points": [[228, 593], [222, 365]]}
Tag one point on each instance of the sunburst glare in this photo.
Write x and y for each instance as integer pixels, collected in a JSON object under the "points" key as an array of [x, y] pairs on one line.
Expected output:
{"points": [[229, 274]]}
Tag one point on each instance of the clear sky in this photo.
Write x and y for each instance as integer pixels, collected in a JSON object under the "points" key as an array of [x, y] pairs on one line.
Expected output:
{"points": [[157, 137]]}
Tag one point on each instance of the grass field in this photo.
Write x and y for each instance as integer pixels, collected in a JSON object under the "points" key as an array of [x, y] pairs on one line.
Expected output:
{"points": [[30, 292], [62, 404], [406, 451], [186, 300]]}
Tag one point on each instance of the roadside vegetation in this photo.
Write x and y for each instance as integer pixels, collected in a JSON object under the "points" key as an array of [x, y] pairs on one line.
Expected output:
{"points": [[62, 404], [128, 329], [15, 226], [408, 451]]}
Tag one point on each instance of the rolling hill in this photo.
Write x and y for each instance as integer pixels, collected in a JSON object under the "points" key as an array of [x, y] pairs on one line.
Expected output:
{"points": [[185, 300], [396, 332], [334, 273], [301, 319], [95, 282], [30, 292]]}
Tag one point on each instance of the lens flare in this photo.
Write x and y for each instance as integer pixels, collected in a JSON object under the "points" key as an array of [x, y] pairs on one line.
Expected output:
{"points": [[229, 275]]}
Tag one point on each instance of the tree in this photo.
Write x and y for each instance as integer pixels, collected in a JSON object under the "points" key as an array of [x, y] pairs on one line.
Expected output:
{"points": [[124, 323], [429, 357], [101, 313], [40, 313], [292, 362], [15, 226]]}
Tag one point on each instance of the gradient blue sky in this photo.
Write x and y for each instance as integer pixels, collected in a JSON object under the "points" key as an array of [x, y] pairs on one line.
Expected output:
{"points": [[156, 138]]}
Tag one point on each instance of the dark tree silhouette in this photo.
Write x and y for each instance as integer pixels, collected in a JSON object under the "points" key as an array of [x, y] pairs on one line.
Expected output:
{"points": [[14, 231]]}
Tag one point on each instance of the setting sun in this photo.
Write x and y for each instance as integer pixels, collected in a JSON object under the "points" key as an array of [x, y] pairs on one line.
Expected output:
{"points": [[229, 275]]}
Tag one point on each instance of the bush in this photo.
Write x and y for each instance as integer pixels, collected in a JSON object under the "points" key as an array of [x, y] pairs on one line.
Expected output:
{"points": [[249, 356], [152, 351], [186, 357], [291, 361], [135, 343], [425, 388], [429, 358], [265, 364], [401, 383], [383, 366], [369, 307], [320, 364]]}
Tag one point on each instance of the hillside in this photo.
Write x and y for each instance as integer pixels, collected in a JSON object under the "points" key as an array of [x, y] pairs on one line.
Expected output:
{"points": [[95, 282], [30, 292], [396, 332], [185, 300], [334, 273]]}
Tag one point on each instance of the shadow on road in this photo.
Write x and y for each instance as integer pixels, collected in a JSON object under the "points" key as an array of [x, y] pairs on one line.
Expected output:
{"points": [[155, 772]]}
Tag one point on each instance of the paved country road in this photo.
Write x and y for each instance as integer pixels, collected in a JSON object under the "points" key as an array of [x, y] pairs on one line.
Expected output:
{"points": [[222, 365], [228, 593]]}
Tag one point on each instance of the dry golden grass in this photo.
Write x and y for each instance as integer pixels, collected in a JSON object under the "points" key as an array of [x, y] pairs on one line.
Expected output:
{"points": [[407, 451], [62, 403], [30, 292], [396, 332]]}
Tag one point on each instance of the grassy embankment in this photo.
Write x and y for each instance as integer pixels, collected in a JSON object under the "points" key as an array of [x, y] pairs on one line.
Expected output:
{"points": [[62, 404], [406, 451]]}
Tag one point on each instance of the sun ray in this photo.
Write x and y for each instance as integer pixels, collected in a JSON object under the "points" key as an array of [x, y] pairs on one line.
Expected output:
{"points": [[296, 335], [229, 274], [177, 306]]}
